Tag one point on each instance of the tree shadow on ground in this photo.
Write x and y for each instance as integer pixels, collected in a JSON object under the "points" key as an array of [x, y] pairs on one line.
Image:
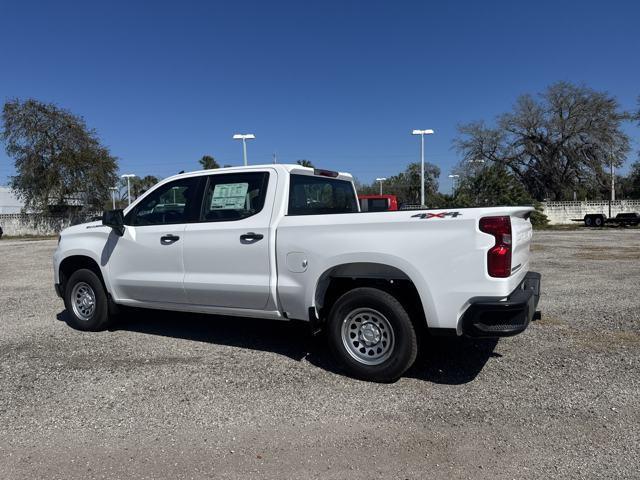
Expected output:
{"points": [[443, 360]]}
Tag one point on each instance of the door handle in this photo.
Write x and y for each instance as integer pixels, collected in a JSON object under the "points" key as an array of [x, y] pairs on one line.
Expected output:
{"points": [[169, 239], [251, 237]]}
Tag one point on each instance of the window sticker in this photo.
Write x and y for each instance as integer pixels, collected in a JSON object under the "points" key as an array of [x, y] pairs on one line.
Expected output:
{"points": [[229, 196]]}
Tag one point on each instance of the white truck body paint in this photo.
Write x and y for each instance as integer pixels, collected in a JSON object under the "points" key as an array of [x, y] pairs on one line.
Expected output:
{"points": [[210, 271]]}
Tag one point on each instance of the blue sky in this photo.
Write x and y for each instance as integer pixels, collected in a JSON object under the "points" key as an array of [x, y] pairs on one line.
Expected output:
{"points": [[340, 83]]}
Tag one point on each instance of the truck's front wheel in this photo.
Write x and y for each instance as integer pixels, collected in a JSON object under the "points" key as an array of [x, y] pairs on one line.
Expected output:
{"points": [[371, 334], [86, 301]]}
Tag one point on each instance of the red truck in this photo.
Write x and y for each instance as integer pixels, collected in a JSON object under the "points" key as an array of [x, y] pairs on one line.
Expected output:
{"points": [[378, 203]]}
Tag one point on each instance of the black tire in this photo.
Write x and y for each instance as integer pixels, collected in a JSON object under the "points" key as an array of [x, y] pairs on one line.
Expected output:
{"points": [[98, 318], [598, 222], [403, 346], [588, 221]]}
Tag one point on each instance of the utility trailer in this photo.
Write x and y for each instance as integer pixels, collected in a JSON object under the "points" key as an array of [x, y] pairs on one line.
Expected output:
{"points": [[600, 219]]}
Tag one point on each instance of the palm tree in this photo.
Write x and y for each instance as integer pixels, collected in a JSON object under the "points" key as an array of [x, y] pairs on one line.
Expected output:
{"points": [[305, 163], [208, 162], [141, 185]]}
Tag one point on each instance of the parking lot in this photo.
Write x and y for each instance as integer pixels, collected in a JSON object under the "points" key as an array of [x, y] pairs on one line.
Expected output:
{"points": [[166, 395]]}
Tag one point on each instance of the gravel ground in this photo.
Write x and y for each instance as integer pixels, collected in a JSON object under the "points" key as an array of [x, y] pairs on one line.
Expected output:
{"points": [[177, 396]]}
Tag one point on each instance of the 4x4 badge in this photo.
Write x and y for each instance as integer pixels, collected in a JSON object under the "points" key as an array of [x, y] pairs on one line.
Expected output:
{"points": [[436, 215]]}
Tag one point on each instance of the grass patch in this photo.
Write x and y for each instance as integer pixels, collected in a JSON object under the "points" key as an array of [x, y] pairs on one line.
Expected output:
{"points": [[608, 340], [608, 253], [28, 237], [580, 226], [592, 340], [576, 226]]}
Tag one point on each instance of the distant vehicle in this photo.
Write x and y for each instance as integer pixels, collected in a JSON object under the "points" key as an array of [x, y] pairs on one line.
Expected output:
{"points": [[378, 203], [288, 242], [600, 219], [412, 206]]}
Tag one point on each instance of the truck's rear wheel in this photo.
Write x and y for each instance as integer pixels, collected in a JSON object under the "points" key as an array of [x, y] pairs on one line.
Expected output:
{"points": [[371, 334], [86, 301]]}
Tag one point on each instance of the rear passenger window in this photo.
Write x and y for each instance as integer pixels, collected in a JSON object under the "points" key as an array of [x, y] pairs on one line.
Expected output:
{"points": [[234, 196], [311, 195]]}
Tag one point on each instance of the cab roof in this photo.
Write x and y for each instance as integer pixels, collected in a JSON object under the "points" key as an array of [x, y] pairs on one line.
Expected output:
{"points": [[283, 167]]}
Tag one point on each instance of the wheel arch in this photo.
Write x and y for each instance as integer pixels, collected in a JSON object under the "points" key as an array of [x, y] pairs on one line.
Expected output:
{"points": [[340, 278], [75, 262]]}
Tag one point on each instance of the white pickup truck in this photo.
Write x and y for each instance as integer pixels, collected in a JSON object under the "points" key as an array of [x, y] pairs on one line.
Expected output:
{"points": [[288, 242]]}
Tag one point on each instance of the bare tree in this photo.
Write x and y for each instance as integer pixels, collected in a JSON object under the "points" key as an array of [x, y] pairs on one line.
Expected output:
{"points": [[562, 142]]}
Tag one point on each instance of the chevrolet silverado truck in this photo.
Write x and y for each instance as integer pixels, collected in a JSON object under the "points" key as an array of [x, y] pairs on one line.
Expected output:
{"points": [[288, 242]]}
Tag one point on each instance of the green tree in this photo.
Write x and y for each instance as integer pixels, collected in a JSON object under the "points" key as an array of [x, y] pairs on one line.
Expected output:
{"points": [[406, 185], [562, 142], [208, 162], [631, 183], [494, 185], [491, 186], [633, 179], [59, 161], [305, 163], [364, 189]]}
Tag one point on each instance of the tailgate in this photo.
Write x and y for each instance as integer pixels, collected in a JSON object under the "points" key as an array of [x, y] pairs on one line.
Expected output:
{"points": [[521, 233]]}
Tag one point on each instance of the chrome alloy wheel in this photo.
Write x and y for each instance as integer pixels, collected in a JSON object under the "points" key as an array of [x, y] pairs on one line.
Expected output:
{"points": [[368, 336], [83, 301]]}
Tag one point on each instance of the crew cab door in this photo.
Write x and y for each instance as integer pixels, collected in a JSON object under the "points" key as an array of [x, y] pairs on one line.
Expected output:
{"points": [[146, 262], [226, 252]]}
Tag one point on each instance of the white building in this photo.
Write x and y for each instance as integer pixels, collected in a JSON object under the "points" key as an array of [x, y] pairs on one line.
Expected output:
{"points": [[9, 203]]}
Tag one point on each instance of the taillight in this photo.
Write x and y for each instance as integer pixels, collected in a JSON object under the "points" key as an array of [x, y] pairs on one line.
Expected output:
{"points": [[499, 256]]}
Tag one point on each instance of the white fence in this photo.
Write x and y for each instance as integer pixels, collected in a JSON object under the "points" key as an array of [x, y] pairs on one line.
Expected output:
{"points": [[560, 213], [15, 224]]}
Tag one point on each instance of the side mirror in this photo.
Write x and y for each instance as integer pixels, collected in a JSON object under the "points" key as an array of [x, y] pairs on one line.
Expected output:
{"points": [[115, 220]]}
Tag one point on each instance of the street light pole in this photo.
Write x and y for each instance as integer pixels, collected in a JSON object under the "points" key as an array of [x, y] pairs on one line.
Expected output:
{"points": [[381, 179], [613, 183], [455, 182], [113, 196], [613, 188], [244, 150], [422, 133], [244, 137], [128, 176], [421, 170]]}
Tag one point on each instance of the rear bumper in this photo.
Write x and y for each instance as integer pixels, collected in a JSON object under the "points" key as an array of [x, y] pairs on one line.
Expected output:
{"points": [[496, 317]]}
